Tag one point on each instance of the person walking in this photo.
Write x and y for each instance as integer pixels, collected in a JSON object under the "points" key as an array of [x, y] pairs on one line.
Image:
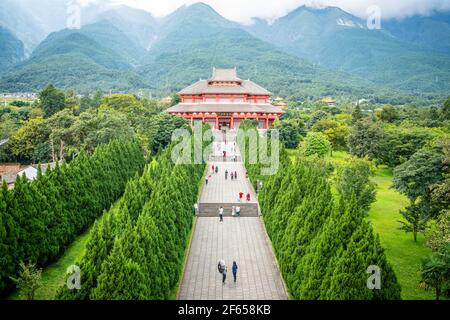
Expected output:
{"points": [[238, 211], [235, 175], [206, 180], [241, 195], [233, 211], [196, 209], [248, 197], [222, 267], [234, 270], [221, 214], [217, 169], [213, 168], [224, 275], [232, 176], [226, 174]]}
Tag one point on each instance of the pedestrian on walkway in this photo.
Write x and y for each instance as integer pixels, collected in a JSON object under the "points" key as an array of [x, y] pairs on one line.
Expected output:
{"points": [[213, 168], [196, 209], [226, 174], [221, 214], [217, 169], [234, 270], [233, 211], [232, 176], [222, 267], [235, 175], [238, 211], [224, 275], [241, 195], [248, 197], [206, 180]]}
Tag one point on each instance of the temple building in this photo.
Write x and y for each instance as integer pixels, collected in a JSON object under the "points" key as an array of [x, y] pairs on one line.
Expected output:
{"points": [[224, 100]]}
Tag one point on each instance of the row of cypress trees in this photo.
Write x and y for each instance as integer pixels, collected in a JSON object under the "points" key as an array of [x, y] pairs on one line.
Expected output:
{"points": [[136, 250], [39, 219], [322, 241], [324, 246]]}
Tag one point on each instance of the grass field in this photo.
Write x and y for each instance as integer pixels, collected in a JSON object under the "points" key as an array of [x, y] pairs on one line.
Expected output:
{"points": [[402, 252], [54, 275]]}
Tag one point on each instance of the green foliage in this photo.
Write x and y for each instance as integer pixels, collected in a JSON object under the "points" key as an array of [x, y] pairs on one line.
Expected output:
{"points": [[52, 100], [414, 220], [364, 139], [315, 143], [29, 280], [414, 177], [39, 219], [435, 271], [291, 131], [136, 250], [336, 132], [438, 232], [353, 179], [324, 247], [398, 144], [445, 112]]}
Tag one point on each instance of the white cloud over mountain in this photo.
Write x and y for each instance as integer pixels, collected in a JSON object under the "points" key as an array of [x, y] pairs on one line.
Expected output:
{"points": [[243, 10]]}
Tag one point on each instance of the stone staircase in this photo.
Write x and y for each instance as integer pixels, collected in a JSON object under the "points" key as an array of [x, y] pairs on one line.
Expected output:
{"points": [[212, 209]]}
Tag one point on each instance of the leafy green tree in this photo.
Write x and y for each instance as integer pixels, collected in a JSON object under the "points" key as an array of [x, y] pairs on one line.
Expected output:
{"points": [[389, 114], [52, 100], [336, 132], [353, 179], [357, 114], [315, 143], [29, 280], [445, 112], [414, 220], [438, 232], [364, 139], [291, 131], [25, 140], [435, 271], [414, 177]]}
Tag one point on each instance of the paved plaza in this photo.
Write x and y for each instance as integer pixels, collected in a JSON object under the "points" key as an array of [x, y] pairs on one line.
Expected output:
{"points": [[243, 240]]}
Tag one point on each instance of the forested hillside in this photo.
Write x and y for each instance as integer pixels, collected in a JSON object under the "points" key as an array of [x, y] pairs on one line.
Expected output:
{"points": [[307, 54], [336, 39], [11, 50]]}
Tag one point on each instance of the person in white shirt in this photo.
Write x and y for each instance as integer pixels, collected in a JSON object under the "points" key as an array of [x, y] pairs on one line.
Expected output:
{"points": [[221, 214]]}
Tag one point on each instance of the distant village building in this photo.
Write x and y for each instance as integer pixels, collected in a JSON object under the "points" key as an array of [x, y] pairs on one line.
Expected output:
{"points": [[167, 100], [329, 101], [279, 102], [10, 171], [224, 100]]}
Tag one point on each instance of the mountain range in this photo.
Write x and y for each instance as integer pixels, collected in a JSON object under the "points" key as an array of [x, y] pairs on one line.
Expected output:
{"points": [[308, 53]]}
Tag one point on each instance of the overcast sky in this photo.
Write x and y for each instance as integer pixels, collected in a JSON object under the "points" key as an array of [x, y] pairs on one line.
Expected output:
{"points": [[243, 10]]}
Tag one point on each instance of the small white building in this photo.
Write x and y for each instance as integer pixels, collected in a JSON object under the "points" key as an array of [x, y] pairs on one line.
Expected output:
{"points": [[30, 173]]}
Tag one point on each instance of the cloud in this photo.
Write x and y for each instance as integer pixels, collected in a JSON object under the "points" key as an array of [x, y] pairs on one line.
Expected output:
{"points": [[244, 10]]}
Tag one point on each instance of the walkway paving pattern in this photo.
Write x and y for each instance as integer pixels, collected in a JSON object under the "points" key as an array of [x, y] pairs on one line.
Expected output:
{"points": [[243, 240]]}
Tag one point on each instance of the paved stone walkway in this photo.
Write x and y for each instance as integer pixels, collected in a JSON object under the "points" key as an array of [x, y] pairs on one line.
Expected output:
{"points": [[220, 190], [243, 240]]}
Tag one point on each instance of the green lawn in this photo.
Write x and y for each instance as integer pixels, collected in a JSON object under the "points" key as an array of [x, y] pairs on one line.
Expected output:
{"points": [[403, 253], [54, 275]]}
